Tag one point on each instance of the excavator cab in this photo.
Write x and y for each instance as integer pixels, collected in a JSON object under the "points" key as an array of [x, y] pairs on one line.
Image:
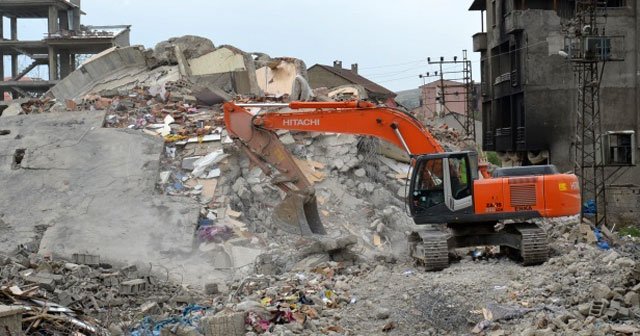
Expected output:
{"points": [[442, 185]]}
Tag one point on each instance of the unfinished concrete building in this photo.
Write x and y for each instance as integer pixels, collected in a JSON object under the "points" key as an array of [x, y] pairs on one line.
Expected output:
{"points": [[63, 42], [529, 91]]}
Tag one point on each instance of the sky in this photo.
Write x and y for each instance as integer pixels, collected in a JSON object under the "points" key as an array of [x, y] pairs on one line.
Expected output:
{"points": [[390, 40]]}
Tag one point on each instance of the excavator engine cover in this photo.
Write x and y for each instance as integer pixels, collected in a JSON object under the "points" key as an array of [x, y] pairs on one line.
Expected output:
{"points": [[294, 215]]}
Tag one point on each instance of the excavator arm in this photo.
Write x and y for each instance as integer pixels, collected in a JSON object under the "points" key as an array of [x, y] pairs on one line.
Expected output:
{"points": [[254, 133], [359, 118]]}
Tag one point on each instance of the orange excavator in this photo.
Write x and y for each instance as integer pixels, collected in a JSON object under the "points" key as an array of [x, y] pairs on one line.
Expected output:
{"points": [[448, 188]]}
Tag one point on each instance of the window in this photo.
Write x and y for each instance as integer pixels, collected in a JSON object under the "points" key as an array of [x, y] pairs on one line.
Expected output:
{"points": [[429, 187], [619, 148], [616, 3], [539, 4], [458, 174]]}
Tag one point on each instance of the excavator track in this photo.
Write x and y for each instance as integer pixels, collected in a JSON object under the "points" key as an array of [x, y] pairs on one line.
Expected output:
{"points": [[430, 249], [534, 248]]}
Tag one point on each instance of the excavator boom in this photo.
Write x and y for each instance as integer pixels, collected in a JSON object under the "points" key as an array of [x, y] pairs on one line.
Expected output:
{"points": [[359, 118]]}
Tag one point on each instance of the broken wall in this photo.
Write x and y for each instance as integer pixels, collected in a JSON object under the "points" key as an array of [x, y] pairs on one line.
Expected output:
{"points": [[227, 68], [277, 76], [116, 63]]}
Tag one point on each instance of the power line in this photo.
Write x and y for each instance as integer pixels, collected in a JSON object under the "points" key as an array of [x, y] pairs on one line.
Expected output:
{"points": [[396, 79], [393, 73], [396, 64], [386, 74], [389, 74]]}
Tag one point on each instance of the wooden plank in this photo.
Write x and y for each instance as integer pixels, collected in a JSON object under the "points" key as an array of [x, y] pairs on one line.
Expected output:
{"points": [[309, 171]]}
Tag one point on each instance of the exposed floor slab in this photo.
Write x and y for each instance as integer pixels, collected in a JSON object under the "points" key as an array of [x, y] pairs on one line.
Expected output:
{"points": [[88, 189]]}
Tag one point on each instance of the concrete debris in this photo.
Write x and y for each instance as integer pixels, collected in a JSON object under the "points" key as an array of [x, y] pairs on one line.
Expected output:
{"points": [[229, 68], [348, 92], [283, 76], [11, 319], [127, 171], [53, 307], [191, 47]]}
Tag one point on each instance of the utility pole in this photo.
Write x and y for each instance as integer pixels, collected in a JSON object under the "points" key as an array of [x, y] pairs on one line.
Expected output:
{"points": [[588, 51], [466, 82]]}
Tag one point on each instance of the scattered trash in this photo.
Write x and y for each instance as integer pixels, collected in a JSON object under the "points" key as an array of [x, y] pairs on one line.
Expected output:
{"points": [[600, 239]]}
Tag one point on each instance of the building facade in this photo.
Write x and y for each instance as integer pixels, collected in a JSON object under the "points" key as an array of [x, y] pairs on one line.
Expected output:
{"points": [[529, 91]]}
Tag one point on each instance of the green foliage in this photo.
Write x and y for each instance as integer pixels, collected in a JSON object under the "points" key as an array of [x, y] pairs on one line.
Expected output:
{"points": [[630, 231], [493, 158]]}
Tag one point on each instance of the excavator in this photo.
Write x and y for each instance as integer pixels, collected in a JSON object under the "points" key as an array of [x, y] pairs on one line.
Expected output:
{"points": [[448, 189]]}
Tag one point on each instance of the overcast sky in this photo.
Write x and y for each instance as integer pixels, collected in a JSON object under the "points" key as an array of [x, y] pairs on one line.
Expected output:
{"points": [[390, 40]]}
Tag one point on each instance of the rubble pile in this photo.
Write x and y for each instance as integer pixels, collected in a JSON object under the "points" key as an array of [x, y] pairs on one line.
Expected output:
{"points": [[84, 296], [356, 280]]}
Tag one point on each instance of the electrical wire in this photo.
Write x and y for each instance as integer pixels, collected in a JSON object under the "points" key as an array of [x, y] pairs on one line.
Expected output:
{"points": [[392, 65], [448, 67]]}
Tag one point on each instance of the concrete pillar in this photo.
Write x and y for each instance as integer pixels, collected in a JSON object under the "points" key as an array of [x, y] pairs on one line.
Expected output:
{"points": [[53, 20], [14, 28], [65, 63], [14, 37], [76, 19], [73, 62], [1, 75], [53, 64], [64, 20]]}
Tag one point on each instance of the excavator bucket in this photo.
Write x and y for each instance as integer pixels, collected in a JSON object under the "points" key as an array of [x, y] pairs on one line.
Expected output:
{"points": [[294, 215]]}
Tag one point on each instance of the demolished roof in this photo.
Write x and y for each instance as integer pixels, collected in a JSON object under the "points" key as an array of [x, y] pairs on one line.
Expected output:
{"points": [[357, 79]]}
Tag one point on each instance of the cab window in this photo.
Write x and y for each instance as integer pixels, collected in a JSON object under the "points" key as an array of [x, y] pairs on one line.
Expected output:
{"points": [[429, 186], [458, 174]]}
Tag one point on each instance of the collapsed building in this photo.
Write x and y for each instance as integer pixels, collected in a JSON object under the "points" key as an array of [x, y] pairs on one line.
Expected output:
{"points": [[137, 215], [529, 91]]}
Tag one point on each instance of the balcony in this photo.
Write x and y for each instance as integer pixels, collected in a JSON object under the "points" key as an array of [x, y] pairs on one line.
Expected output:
{"points": [[480, 42], [502, 85], [504, 139], [488, 141], [513, 22], [521, 140]]}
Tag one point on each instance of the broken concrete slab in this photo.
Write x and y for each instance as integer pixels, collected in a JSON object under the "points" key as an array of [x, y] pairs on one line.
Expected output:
{"points": [[224, 324], [277, 76], [91, 190], [242, 256], [210, 95], [11, 320], [116, 64], [190, 45], [13, 109], [227, 60], [221, 60]]}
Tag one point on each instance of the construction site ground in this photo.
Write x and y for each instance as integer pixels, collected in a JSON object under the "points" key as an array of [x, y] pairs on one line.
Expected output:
{"points": [[128, 210]]}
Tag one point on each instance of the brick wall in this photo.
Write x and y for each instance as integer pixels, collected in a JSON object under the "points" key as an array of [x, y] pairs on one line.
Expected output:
{"points": [[623, 205]]}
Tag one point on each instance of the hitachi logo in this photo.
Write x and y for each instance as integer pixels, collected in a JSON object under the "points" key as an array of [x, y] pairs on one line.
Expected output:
{"points": [[301, 122]]}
